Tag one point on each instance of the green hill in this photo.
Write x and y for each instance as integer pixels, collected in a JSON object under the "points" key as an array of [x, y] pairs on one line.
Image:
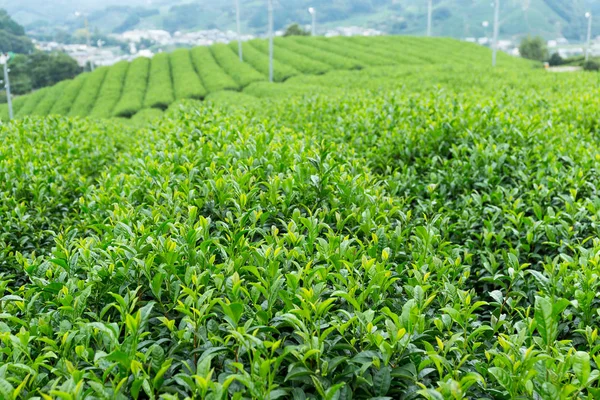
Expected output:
{"points": [[125, 89], [12, 35]]}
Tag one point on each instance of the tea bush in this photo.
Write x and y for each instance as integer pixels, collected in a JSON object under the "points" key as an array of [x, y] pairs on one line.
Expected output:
{"points": [[134, 88], [242, 72], [349, 49], [69, 94], [54, 93], [333, 59], [126, 88], [111, 90], [260, 62], [84, 103], [396, 232], [212, 75], [159, 93], [186, 83], [32, 102], [301, 63]]}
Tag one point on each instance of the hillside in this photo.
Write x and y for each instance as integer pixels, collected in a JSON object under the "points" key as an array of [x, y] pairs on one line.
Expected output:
{"points": [[413, 231], [455, 18], [12, 35], [125, 89]]}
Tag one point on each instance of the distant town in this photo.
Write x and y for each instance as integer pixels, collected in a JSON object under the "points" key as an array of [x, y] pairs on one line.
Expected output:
{"points": [[146, 43]]}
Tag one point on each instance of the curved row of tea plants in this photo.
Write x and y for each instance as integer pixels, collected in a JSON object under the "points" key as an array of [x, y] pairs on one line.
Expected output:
{"points": [[125, 89]]}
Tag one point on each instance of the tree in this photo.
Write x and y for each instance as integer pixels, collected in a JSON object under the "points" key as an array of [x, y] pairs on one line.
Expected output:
{"points": [[556, 60], [20, 79], [296, 30], [533, 48], [591, 65], [40, 69]]}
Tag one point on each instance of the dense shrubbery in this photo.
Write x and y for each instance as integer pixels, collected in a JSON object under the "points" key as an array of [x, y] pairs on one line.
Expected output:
{"points": [[241, 72], [403, 232], [111, 90], [88, 94], [186, 83], [125, 90], [32, 102], [53, 94], [591, 65], [159, 93], [260, 62], [336, 61], [71, 91], [212, 75], [40, 69], [346, 49], [134, 88], [299, 62]]}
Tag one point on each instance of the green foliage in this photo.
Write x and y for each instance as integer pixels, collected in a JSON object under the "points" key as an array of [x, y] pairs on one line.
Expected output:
{"points": [[241, 72], [12, 35], [533, 48], [31, 102], [295, 30], [39, 69], [186, 83], [591, 65], [556, 60], [214, 78], [303, 64], [134, 88], [160, 83], [260, 62], [126, 89], [358, 53], [84, 103], [67, 98], [53, 94], [111, 90], [336, 61], [390, 232], [145, 116]]}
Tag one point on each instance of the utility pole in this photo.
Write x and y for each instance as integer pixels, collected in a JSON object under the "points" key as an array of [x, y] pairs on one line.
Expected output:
{"points": [[496, 31], [270, 10], [239, 30], [313, 12], [588, 15], [4, 60], [89, 40], [429, 15]]}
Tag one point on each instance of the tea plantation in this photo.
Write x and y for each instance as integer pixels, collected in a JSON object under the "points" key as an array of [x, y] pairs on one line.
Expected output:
{"points": [[126, 88], [390, 227]]}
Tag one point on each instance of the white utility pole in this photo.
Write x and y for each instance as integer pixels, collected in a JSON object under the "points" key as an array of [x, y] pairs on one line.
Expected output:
{"points": [[270, 10], [588, 15], [496, 31], [4, 60], [313, 12], [89, 36], [239, 30], [429, 15]]}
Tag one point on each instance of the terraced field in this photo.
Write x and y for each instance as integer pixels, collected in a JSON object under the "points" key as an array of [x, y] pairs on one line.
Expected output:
{"points": [[125, 89]]}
